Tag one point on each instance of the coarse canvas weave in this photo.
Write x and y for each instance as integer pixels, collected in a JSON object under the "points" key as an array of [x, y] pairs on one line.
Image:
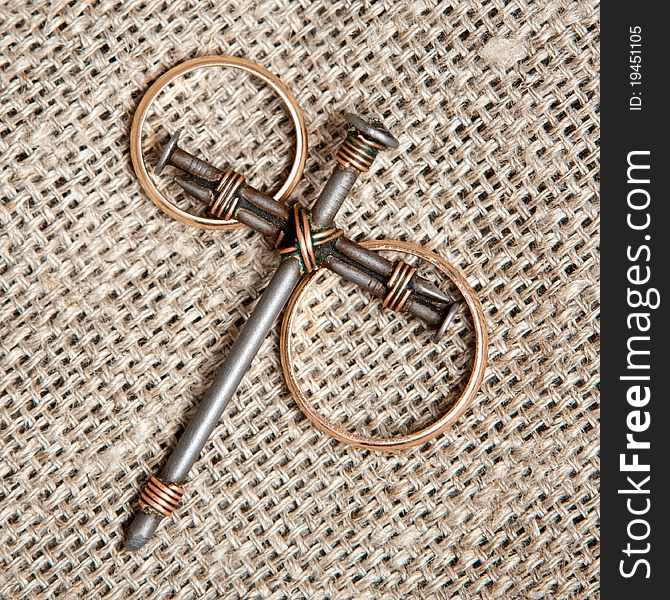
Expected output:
{"points": [[115, 318]]}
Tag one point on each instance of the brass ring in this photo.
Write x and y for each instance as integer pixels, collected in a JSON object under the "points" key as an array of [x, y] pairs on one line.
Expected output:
{"points": [[287, 98], [427, 433]]}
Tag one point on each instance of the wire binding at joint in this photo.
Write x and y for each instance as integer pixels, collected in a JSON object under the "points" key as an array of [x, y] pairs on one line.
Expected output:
{"points": [[398, 285], [162, 497], [227, 195], [306, 239]]}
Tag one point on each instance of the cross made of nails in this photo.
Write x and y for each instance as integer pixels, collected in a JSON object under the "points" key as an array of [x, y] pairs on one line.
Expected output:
{"points": [[306, 240]]}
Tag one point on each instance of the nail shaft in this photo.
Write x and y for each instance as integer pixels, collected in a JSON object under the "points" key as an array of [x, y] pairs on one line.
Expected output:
{"points": [[239, 359], [194, 166], [357, 276], [256, 223], [265, 202], [366, 257], [332, 196], [197, 191], [221, 390]]}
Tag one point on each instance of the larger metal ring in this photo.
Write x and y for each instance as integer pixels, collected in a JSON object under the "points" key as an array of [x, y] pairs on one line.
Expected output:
{"points": [[187, 67], [427, 433]]}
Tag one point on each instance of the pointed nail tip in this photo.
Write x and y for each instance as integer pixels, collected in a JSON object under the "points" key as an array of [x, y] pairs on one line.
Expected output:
{"points": [[439, 295], [393, 143], [433, 292], [195, 190], [135, 542]]}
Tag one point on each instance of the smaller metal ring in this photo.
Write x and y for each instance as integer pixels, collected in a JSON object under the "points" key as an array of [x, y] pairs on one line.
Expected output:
{"points": [[287, 98], [416, 437]]}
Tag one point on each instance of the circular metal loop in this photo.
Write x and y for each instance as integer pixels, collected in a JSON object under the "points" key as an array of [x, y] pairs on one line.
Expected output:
{"points": [[427, 433], [189, 66]]}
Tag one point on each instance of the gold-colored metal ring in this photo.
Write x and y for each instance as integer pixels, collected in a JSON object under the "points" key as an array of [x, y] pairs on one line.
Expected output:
{"points": [[427, 433], [287, 98]]}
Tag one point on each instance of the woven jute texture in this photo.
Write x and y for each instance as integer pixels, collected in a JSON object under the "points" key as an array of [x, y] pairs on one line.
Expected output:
{"points": [[114, 318]]}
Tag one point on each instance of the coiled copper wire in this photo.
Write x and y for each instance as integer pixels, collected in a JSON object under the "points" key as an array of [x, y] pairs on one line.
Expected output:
{"points": [[306, 239], [326, 235], [303, 234], [358, 151], [161, 497], [398, 285], [227, 195]]}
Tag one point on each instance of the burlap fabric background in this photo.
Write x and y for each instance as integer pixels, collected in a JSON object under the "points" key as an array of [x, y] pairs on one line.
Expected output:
{"points": [[115, 318]]}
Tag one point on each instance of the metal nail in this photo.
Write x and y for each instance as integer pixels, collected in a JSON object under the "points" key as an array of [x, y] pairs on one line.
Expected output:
{"points": [[175, 156]]}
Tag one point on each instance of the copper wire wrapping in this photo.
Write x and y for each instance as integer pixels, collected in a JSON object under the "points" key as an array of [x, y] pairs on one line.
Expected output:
{"points": [[161, 497], [358, 151], [306, 239], [398, 285], [227, 195]]}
